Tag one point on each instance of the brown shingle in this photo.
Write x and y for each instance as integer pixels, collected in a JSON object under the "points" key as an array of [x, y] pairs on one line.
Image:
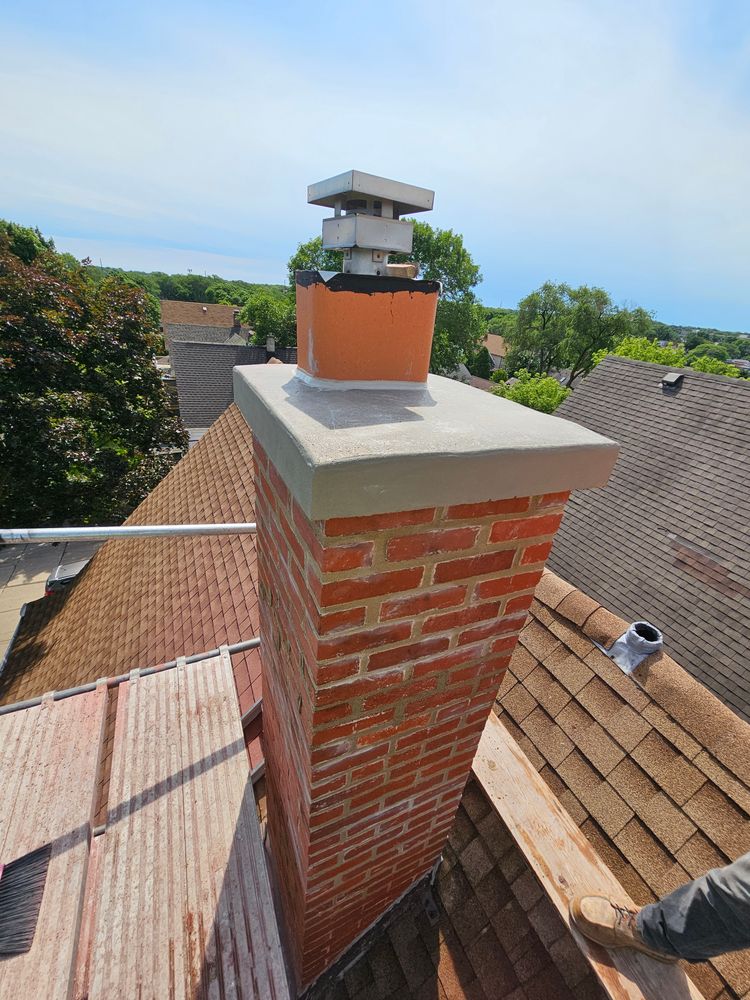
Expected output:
{"points": [[667, 822], [577, 607], [551, 589], [652, 862], [522, 662], [722, 822], [551, 696], [537, 640], [518, 703], [611, 674], [632, 783], [736, 790], [669, 768], [671, 730], [547, 736], [699, 855], [568, 669]]}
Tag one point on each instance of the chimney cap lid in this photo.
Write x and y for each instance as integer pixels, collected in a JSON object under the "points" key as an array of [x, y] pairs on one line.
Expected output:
{"points": [[406, 198]]}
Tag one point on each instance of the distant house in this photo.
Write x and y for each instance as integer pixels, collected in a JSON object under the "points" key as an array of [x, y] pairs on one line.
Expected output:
{"points": [[497, 347], [203, 372], [207, 322]]}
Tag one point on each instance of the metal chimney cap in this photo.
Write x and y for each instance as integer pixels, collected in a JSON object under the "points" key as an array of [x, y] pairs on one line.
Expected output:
{"points": [[406, 198]]}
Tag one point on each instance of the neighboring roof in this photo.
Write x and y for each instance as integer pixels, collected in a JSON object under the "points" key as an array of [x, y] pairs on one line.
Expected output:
{"points": [[200, 334], [496, 345], [204, 376], [178, 900], [653, 768], [173, 899], [668, 540], [482, 383], [146, 601], [196, 313], [496, 936]]}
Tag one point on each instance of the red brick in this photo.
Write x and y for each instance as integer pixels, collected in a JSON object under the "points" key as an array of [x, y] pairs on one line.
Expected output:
{"points": [[346, 591], [342, 557], [278, 484], [553, 499], [530, 527], [412, 605], [430, 542], [465, 616], [404, 654], [507, 584], [440, 663], [505, 642], [461, 569], [338, 620], [356, 642], [517, 505], [522, 603], [359, 686], [337, 671], [491, 628], [536, 553], [376, 522]]}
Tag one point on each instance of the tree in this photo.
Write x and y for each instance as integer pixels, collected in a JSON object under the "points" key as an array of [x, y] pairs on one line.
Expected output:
{"points": [[442, 257], [643, 349], [539, 392], [311, 256], [708, 350], [270, 316], [85, 431], [481, 364], [459, 331], [541, 327], [715, 367], [595, 323]]}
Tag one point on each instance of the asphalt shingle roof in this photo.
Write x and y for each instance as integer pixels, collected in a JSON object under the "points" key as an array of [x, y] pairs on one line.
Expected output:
{"points": [[204, 376], [668, 539], [653, 768], [147, 601]]}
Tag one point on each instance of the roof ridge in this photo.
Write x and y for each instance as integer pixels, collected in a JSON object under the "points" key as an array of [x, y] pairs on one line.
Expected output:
{"points": [[616, 359]]}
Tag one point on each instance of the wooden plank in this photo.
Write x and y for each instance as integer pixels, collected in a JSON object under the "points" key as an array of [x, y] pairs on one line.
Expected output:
{"points": [[194, 916], [51, 776], [566, 865]]}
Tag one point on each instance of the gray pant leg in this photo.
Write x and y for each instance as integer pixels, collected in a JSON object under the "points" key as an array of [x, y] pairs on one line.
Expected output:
{"points": [[704, 918]]}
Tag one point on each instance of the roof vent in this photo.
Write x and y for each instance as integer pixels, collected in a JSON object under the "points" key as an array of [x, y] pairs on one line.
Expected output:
{"points": [[641, 640], [672, 380]]}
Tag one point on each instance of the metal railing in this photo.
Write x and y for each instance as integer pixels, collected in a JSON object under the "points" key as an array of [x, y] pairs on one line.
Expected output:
{"points": [[15, 535]]}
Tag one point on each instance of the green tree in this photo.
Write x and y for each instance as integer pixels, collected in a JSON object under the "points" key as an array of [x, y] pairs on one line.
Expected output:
{"points": [[442, 257], [459, 331], [541, 327], [540, 392], [481, 364], [23, 241], [270, 316], [311, 256], [715, 367], [595, 323], [643, 349], [708, 350], [85, 431]]}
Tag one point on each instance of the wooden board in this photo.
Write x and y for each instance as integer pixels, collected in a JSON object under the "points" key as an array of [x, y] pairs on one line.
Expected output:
{"points": [[566, 865], [48, 764], [181, 906]]}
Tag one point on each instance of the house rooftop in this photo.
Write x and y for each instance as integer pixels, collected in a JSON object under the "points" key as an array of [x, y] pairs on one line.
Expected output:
{"points": [[669, 539]]}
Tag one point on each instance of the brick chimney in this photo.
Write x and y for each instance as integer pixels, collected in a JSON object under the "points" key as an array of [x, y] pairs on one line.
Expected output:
{"points": [[402, 528]]}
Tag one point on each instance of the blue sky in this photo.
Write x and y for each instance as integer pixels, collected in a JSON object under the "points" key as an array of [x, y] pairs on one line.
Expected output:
{"points": [[606, 143]]}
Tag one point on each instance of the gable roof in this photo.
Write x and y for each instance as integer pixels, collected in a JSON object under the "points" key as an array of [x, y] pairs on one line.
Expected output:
{"points": [[653, 768], [669, 539], [147, 601], [204, 376], [496, 345], [197, 313]]}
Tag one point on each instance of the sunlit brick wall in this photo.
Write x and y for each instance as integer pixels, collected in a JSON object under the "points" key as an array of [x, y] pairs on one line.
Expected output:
{"points": [[385, 639]]}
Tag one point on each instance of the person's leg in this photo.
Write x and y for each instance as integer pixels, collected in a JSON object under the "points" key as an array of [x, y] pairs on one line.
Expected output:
{"points": [[704, 918]]}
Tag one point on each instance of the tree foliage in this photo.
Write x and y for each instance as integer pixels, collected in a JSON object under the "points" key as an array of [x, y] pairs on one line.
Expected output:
{"points": [[481, 364], [84, 425], [672, 355], [709, 350], [540, 392], [270, 316]]}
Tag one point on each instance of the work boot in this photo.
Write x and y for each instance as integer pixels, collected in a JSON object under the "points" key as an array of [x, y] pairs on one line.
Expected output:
{"points": [[606, 922]]}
